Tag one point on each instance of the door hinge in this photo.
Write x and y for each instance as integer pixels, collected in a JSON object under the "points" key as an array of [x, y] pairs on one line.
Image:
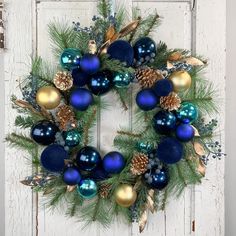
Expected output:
{"points": [[2, 40]]}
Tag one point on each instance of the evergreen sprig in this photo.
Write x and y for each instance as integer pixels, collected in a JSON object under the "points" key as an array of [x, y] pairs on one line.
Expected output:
{"points": [[104, 8]]}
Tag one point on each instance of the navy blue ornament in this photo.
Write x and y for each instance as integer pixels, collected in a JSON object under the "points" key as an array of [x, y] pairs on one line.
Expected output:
{"points": [[164, 122], [88, 158], [100, 83], [146, 99], [170, 151], [70, 58], [99, 174], [53, 157], [71, 176], [121, 50], [72, 137], [122, 80], [87, 188], [80, 78], [184, 132], [44, 132], [90, 64], [81, 99], [163, 87], [113, 162], [159, 178]]}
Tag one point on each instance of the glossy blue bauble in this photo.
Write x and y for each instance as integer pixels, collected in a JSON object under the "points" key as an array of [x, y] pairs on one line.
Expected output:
{"points": [[160, 179], [80, 78], [44, 132], [87, 188], [53, 157], [99, 174], [146, 99], [90, 64], [70, 58], [188, 112], [121, 50], [122, 80], [81, 99], [100, 83], [113, 162], [163, 87], [164, 122], [170, 151], [184, 132], [88, 158], [72, 137], [71, 176]]}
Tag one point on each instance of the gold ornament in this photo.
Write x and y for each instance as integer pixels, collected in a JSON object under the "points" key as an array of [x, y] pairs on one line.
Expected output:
{"points": [[181, 80], [63, 80], [104, 190], [125, 195], [139, 164], [171, 102], [92, 46], [48, 97]]}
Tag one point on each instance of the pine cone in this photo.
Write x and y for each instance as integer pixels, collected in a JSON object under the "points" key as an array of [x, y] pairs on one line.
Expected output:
{"points": [[139, 164], [63, 80], [148, 76], [104, 190], [170, 102]]}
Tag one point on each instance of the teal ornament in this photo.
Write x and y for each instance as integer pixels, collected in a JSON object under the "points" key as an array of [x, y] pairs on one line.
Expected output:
{"points": [[145, 147], [122, 80], [70, 58], [187, 113], [72, 137], [87, 188]]}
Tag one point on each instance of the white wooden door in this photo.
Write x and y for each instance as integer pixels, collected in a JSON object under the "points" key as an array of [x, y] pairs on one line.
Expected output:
{"points": [[198, 25]]}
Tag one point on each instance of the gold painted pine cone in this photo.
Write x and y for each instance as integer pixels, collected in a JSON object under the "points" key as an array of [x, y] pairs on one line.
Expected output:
{"points": [[139, 164], [171, 102], [63, 80], [104, 190]]}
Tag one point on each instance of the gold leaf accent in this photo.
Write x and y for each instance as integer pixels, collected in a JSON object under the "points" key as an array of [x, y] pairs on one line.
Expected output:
{"points": [[47, 191], [196, 133], [70, 189], [175, 56], [110, 33], [129, 28], [193, 61], [199, 149], [104, 47], [150, 202], [201, 168], [169, 65], [143, 221]]}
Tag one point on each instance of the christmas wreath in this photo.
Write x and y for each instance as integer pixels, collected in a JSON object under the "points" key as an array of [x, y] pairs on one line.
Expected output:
{"points": [[168, 146]]}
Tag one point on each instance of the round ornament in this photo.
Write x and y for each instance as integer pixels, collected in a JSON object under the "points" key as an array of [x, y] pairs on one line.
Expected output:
{"points": [[125, 195], [72, 137], [99, 174], [164, 122], [53, 157], [90, 64], [159, 179], [187, 113], [88, 158], [184, 132], [163, 87], [87, 188], [113, 162], [170, 151], [121, 80], [144, 147], [81, 99], [80, 78], [48, 97], [70, 58], [181, 81], [71, 176], [121, 50], [146, 99]]}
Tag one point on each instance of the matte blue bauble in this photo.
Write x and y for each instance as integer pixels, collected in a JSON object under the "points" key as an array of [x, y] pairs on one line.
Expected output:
{"points": [[81, 99], [80, 78], [87, 188], [44, 132], [99, 174], [170, 151], [70, 58], [122, 80], [163, 87], [146, 99], [187, 112], [72, 137], [90, 64], [100, 83], [88, 158], [113, 162], [164, 122], [184, 132], [71, 176], [121, 50], [53, 157], [160, 179]]}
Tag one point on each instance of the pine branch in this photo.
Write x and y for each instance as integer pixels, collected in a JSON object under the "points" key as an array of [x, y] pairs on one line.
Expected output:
{"points": [[26, 122], [123, 98], [151, 23], [104, 8]]}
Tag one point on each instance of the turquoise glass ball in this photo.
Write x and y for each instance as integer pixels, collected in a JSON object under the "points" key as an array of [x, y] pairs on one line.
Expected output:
{"points": [[187, 113], [70, 58], [72, 137], [87, 188], [121, 80]]}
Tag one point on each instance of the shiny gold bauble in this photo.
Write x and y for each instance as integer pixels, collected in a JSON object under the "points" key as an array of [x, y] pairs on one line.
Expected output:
{"points": [[48, 97], [125, 195], [181, 81]]}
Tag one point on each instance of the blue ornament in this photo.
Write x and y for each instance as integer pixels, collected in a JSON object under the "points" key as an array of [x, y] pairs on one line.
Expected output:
{"points": [[87, 188], [53, 157], [72, 137], [170, 151], [159, 179], [188, 112], [122, 80], [44, 132], [70, 58], [121, 50], [113, 162], [164, 122], [88, 158], [163, 87], [100, 83], [146, 99], [81, 99], [71, 176], [80, 78], [184, 132], [99, 174], [90, 64]]}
